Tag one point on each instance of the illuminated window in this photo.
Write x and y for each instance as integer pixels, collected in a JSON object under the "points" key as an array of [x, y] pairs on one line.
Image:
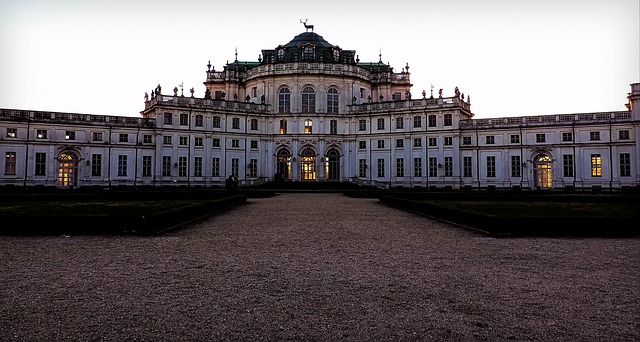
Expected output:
{"points": [[308, 164], [284, 100], [399, 167], [596, 165], [543, 172], [41, 134], [67, 169], [308, 126], [12, 132], [332, 101], [308, 100], [70, 135], [283, 126]]}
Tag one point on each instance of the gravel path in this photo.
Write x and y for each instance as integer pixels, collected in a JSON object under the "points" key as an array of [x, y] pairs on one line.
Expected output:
{"points": [[320, 267]]}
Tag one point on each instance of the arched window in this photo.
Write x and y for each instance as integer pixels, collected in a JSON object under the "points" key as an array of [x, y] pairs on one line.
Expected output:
{"points": [[283, 165], [308, 53], [284, 100], [308, 126], [332, 165], [308, 164], [308, 100], [280, 55], [332, 100], [67, 169], [336, 55], [543, 171]]}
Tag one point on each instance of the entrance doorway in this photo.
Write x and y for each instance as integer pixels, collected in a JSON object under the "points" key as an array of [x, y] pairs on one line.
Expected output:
{"points": [[332, 167], [283, 166], [67, 170], [308, 164], [543, 172]]}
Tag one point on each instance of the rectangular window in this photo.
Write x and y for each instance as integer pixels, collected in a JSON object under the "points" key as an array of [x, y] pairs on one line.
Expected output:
{"points": [[97, 136], [182, 166], [198, 141], [235, 142], [12, 132], [333, 127], [448, 166], [433, 141], [41, 164], [467, 167], [594, 135], [41, 134], [362, 144], [184, 141], [216, 122], [96, 165], [235, 167], [215, 142], [396, 96], [215, 167], [199, 120], [399, 143], [283, 126], [380, 143], [254, 124], [184, 119], [623, 135], [448, 120], [122, 165], [625, 164], [400, 167], [166, 140], [567, 165], [567, 136], [516, 166], [168, 118], [491, 166], [362, 167], [417, 142], [466, 140], [146, 166], [448, 141], [123, 137], [417, 167], [362, 93], [70, 135], [540, 137], [417, 121], [596, 165], [432, 120], [399, 123], [146, 139], [362, 125], [197, 166], [380, 167], [380, 124], [166, 166], [515, 138], [254, 91], [254, 144], [235, 123], [490, 139], [433, 167], [253, 168], [308, 126]]}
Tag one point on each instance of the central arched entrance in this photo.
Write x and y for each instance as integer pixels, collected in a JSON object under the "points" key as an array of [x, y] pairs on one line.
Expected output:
{"points": [[283, 166], [67, 169], [543, 171], [308, 164], [332, 166]]}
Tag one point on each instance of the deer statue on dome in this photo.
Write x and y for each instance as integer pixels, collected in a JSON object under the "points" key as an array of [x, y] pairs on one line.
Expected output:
{"points": [[307, 27]]}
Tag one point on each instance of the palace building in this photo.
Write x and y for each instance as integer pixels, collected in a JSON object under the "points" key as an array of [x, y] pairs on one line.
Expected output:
{"points": [[310, 111]]}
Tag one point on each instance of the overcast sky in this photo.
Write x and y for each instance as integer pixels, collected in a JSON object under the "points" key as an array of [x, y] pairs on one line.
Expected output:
{"points": [[513, 57]]}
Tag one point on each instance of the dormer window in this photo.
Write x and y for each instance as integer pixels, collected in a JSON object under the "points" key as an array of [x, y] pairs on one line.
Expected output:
{"points": [[336, 55], [308, 53], [280, 54]]}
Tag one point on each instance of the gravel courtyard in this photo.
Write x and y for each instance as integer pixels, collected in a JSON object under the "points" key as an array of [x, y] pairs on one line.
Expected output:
{"points": [[319, 267]]}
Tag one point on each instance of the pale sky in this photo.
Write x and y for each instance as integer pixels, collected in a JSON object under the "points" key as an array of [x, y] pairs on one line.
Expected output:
{"points": [[513, 57]]}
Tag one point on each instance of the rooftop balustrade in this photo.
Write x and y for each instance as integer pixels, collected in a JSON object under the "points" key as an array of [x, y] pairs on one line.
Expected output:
{"points": [[55, 117], [193, 102], [431, 103], [547, 120]]}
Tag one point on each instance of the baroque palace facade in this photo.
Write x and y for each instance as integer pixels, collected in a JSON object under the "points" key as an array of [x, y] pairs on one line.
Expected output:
{"points": [[311, 111]]}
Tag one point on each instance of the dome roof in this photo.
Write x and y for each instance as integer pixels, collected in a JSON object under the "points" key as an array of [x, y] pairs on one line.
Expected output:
{"points": [[308, 38]]}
